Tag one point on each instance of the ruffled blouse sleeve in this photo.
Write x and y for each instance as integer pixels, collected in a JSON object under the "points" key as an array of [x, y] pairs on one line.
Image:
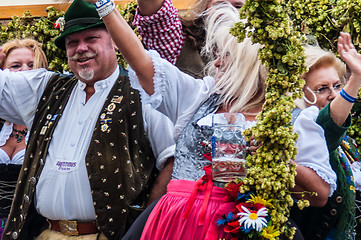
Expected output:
{"points": [[177, 95], [312, 146], [20, 93]]}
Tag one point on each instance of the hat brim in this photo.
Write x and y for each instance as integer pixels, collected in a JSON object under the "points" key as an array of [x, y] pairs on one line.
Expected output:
{"points": [[60, 41]]}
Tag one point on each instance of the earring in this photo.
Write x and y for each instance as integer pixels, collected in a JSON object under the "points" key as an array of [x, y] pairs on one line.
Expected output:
{"points": [[314, 96]]}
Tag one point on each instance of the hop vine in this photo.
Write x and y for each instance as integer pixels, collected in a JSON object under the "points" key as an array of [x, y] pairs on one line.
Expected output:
{"points": [[282, 53]]}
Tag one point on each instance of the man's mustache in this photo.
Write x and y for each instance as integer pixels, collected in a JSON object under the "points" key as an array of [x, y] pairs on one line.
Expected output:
{"points": [[82, 56]]}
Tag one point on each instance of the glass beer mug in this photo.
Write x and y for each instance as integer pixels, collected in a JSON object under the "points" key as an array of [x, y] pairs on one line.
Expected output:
{"points": [[229, 150]]}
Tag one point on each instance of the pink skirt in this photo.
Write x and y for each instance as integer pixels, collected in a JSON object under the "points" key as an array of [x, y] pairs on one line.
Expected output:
{"points": [[167, 219]]}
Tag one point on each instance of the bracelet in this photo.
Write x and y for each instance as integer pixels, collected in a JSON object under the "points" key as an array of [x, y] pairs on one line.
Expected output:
{"points": [[104, 7], [101, 3], [347, 97]]}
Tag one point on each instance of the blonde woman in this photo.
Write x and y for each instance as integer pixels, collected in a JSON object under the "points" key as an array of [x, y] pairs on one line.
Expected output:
{"points": [[324, 82], [23, 54]]}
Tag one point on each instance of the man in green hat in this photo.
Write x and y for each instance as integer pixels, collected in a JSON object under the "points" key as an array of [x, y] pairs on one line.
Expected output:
{"points": [[89, 165]]}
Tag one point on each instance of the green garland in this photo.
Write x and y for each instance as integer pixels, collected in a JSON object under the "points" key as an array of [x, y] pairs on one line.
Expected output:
{"points": [[269, 173], [42, 29]]}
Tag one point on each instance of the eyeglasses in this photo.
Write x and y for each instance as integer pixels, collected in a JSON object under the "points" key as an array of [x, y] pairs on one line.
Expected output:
{"points": [[327, 90]]}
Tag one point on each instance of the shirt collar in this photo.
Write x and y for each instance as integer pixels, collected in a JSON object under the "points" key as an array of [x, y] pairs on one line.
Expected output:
{"points": [[102, 84]]}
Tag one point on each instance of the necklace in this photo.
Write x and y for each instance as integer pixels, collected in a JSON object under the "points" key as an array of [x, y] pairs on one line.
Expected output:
{"points": [[19, 134]]}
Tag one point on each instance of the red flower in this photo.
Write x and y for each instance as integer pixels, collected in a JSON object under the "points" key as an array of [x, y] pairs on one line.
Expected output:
{"points": [[60, 24], [232, 227], [251, 206], [233, 188]]}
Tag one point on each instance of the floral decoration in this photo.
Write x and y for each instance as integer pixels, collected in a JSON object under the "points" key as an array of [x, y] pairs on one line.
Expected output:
{"points": [[60, 24], [249, 217]]}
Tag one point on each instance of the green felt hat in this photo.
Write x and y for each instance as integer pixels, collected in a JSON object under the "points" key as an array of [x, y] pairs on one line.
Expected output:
{"points": [[80, 15]]}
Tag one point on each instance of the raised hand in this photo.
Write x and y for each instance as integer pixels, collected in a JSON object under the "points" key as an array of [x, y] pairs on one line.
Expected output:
{"points": [[349, 54], [340, 107]]}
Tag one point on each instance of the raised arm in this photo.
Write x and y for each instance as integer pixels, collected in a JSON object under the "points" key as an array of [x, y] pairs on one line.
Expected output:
{"points": [[160, 28], [131, 48], [149, 7], [340, 107]]}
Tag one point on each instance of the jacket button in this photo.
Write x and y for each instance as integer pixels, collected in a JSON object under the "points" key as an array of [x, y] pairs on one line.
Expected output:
{"points": [[21, 217], [318, 236], [325, 224], [14, 235], [339, 199], [26, 199], [33, 180], [333, 212]]}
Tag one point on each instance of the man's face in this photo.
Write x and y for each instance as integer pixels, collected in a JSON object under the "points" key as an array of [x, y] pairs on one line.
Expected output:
{"points": [[91, 54]]}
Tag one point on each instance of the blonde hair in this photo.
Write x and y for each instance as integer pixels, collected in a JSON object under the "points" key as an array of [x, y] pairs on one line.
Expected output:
{"points": [[242, 80], [316, 57], [40, 60]]}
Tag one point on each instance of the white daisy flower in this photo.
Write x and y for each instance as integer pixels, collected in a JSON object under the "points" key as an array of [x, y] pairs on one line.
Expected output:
{"points": [[256, 220]]}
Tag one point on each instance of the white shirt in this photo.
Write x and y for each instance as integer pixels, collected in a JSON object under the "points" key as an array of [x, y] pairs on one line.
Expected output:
{"points": [[63, 193]]}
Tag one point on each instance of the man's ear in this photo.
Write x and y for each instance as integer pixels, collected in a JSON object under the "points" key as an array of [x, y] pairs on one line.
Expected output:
{"points": [[115, 46]]}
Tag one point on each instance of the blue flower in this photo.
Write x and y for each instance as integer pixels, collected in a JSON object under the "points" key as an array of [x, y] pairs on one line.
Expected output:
{"points": [[224, 220], [247, 230], [244, 197]]}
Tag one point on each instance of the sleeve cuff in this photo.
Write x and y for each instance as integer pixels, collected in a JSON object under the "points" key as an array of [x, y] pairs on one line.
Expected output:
{"points": [[163, 156], [159, 78]]}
